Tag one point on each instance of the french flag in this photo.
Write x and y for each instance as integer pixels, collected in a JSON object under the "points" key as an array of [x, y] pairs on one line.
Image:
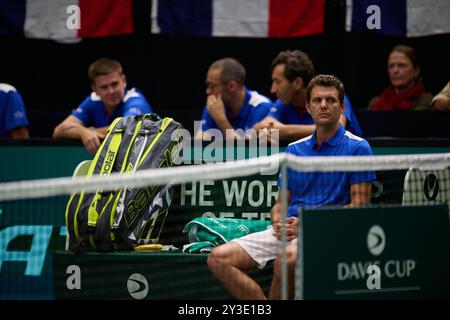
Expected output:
{"points": [[406, 18], [239, 18], [54, 19]]}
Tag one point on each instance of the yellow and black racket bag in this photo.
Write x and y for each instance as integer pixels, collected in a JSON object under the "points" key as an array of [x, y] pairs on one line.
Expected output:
{"points": [[124, 218]]}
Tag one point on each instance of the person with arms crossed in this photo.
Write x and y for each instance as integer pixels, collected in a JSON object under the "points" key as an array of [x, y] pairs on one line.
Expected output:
{"points": [[110, 99], [291, 73], [229, 262], [229, 104], [13, 117]]}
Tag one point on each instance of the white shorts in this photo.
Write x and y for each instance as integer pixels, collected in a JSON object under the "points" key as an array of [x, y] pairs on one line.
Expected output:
{"points": [[261, 246]]}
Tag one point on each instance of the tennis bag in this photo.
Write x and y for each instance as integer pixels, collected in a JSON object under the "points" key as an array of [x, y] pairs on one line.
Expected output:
{"points": [[124, 218]]}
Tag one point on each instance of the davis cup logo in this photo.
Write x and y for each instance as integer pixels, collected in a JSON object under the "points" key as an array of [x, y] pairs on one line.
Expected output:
{"points": [[376, 240], [137, 286]]}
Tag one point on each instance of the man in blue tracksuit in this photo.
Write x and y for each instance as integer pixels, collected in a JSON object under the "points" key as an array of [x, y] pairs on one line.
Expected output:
{"points": [[110, 99], [291, 73], [229, 104], [229, 262], [13, 117]]}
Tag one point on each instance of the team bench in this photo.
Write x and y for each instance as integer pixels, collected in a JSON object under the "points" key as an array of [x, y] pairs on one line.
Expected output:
{"points": [[139, 275]]}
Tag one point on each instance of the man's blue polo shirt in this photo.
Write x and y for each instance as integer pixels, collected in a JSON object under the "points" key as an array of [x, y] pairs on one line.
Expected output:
{"points": [[92, 113], [287, 114], [314, 189], [12, 110], [255, 108]]}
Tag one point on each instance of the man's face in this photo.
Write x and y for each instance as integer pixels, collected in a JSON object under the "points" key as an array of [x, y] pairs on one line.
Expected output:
{"points": [[324, 106], [110, 88], [401, 71], [282, 87], [215, 86]]}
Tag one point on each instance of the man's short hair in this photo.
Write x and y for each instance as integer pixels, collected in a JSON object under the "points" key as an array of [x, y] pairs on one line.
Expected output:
{"points": [[231, 69], [103, 67], [326, 80], [296, 64]]}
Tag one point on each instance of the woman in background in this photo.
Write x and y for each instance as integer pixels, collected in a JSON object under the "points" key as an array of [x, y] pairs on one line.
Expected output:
{"points": [[406, 91]]}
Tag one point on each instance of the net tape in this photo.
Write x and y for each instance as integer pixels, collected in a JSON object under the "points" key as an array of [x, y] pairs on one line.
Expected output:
{"points": [[222, 170]]}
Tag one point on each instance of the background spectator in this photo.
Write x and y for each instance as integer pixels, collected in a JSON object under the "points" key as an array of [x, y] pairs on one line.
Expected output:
{"points": [[110, 99], [406, 91], [291, 72], [229, 104], [13, 117]]}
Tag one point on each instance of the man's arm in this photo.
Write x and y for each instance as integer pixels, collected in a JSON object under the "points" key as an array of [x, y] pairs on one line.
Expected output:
{"points": [[199, 134], [440, 103], [298, 131], [286, 131], [73, 128], [70, 128], [264, 123], [360, 194], [205, 135], [295, 131], [19, 133], [290, 131]]}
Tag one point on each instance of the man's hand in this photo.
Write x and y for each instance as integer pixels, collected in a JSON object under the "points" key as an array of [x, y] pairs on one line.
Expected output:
{"points": [[291, 228], [73, 128], [266, 129], [267, 123], [276, 215], [92, 139], [275, 125], [359, 194], [216, 108]]}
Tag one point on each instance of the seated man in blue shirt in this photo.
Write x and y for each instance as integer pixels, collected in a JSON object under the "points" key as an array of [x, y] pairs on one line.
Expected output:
{"points": [[13, 118], [325, 103], [110, 99], [230, 105], [291, 73]]}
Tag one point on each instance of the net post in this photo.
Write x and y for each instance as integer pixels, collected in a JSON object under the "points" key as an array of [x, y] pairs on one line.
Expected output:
{"points": [[284, 271], [299, 269]]}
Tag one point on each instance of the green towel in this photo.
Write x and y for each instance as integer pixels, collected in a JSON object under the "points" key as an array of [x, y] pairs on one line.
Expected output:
{"points": [[201, 246], [217, 231]]}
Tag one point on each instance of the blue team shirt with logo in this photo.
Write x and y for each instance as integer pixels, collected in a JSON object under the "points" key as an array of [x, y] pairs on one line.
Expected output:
{"points": [[12, 110], [92, 113], [255, 108], [287, 114], [315, 189]]}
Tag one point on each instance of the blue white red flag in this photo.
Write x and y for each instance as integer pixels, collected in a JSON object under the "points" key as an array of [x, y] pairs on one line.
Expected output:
{"points": [[407, 18], [54, 19], [239, 18]]}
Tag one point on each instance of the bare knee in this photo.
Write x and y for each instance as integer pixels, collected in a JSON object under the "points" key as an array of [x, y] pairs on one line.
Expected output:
{"points": [[220, 257], [230, 255], [216, 257], [291, 258], [291, 253]]}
